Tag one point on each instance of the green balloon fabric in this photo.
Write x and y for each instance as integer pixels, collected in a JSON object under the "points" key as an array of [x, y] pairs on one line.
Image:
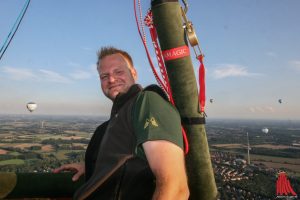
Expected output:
{"points": [[167, 19]]}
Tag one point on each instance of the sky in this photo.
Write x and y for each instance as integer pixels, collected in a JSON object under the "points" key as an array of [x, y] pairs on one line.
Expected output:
{"points": [[251, 48]]}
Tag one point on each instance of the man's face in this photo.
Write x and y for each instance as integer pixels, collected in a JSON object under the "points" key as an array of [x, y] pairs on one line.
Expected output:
{"points": [[116, 76]]}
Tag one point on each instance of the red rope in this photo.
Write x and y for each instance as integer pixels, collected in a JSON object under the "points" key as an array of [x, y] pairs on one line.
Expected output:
{"points": [[147, 52], [149, 22]]}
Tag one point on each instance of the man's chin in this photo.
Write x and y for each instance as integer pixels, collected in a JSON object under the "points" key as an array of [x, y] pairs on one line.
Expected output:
{"points": [[113, 95]]}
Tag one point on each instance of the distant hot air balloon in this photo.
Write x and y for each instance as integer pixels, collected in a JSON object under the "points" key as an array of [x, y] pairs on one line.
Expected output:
{"points": [[280, 100], [211, 100], [31, 106], [265, 130]]}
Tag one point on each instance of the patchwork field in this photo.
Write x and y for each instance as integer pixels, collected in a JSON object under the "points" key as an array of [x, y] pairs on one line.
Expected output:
{"points": [[276, 162]]}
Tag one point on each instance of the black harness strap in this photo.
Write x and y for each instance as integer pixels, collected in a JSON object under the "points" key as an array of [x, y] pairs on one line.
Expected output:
{"points": [[193, 120]]}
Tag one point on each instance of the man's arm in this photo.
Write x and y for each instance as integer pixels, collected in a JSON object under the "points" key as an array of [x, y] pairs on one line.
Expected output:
{"points": [[166, 161]]}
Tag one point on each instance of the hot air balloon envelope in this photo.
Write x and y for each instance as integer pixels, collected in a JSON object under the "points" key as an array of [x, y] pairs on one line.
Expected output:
{"points": [[211, 100], [31, 106], [265, 130], [280, 100]]}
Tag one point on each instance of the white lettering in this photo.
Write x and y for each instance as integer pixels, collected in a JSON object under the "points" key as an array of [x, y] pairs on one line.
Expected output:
{"points": [[175, 53]]}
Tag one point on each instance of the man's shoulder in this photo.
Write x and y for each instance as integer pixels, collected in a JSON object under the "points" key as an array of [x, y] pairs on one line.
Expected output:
{"points": [[156, 90], [153, 100], [102, 126]]}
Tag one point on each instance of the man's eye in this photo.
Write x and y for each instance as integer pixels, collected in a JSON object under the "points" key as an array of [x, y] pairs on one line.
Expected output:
{"points": [[119, 72], [103, 77]]}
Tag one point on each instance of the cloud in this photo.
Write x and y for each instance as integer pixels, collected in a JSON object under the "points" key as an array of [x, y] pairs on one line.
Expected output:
{"points": [[80, 75], [18, 73], [43, 75], [295, 64], [53, 76], [231, 70], [270, 108], [264, 109]]}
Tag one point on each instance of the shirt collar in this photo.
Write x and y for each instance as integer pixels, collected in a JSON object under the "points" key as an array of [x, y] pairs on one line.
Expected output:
{"points": [[121, 99]]}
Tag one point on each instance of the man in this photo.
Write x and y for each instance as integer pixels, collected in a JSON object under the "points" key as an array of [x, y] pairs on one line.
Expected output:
{"points": [[138, 152]]}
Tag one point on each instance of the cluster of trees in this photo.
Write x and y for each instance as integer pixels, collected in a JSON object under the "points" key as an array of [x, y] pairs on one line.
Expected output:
{"points": [[53, 141], [35, 162], [285, 153], [24, 156]]}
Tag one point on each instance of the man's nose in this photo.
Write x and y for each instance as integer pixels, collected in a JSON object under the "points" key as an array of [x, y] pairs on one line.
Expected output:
{"points": [[111, 78]]}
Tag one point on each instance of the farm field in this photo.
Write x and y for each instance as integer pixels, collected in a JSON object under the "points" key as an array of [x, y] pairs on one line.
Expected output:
{"points": [[40, 143]]}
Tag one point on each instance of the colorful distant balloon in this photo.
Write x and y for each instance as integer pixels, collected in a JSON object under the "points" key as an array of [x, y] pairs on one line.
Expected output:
{"points": [[265, 130], [280, 100], [31, 106]]}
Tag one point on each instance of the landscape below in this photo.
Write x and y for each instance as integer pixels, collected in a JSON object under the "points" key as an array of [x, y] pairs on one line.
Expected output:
{"points": [[37, 144]]}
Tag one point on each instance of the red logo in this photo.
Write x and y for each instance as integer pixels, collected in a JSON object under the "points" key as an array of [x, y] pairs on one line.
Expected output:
{"points": [[178, 52], [284, 189]]}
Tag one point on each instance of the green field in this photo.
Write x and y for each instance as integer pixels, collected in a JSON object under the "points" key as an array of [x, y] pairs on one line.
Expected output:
{"points": [[12, 162], [293, 161], [61, 154]]}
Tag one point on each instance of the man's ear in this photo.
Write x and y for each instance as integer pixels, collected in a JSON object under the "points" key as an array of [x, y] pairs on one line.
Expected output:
{"points": [[134, 73]]}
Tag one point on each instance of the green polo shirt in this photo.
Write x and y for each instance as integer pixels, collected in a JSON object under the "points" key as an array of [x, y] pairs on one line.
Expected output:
{"points": [[155, 119]]}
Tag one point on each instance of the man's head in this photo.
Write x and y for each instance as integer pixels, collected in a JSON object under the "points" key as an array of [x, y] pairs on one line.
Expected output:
{"points": [[116, 71]]}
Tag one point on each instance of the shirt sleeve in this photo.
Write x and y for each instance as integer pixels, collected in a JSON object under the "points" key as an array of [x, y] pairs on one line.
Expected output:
{"points": [[156, 119]]}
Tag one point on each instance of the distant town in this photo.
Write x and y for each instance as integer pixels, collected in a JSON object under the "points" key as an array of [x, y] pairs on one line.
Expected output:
{"points": [[247, 155]]}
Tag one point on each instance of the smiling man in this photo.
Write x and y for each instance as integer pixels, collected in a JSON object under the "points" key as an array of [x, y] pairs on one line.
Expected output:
{"points": [[116, 73], [138, 152]]}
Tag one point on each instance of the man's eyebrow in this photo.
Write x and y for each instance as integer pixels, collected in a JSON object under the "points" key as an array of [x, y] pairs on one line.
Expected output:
{"points": [[103, 74]]}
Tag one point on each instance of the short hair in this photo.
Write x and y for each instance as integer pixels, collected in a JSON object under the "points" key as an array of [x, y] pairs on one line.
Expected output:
{"points": [[109, 50]]}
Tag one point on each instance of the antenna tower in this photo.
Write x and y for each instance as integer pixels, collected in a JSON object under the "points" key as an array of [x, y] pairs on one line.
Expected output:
{"points": [[248, 149]]}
